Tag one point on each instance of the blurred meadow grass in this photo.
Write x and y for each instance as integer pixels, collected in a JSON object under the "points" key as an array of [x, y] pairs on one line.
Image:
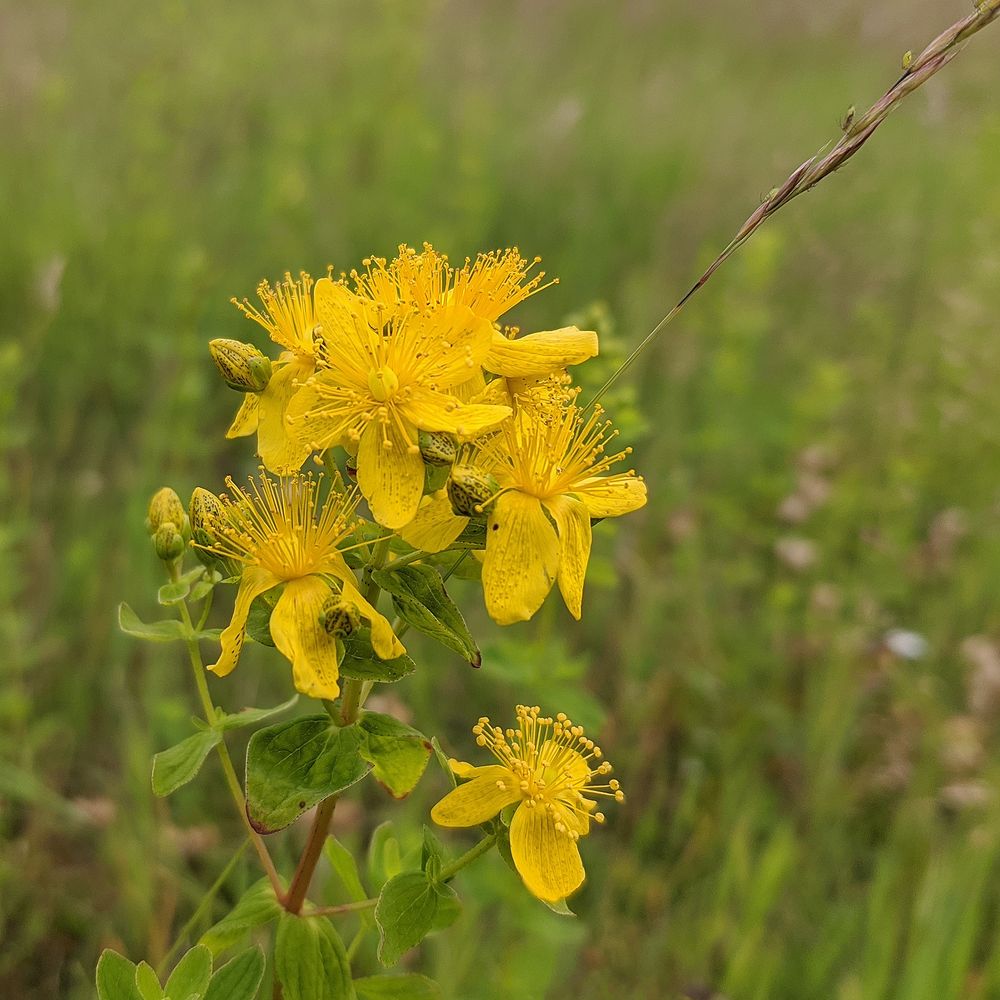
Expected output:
{"points": [[811, 814]]}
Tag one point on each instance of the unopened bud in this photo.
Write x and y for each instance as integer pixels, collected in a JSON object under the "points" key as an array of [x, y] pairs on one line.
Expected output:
{"points": [[470, 490], [437, 448], [339, 617], [907, 58], [168, 541], [242, 366], [165, 507], [204, 511]]}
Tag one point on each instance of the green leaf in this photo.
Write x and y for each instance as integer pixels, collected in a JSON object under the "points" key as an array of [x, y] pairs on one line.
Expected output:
{"points": [[343, 863], [173, 593], [249, 716], [164, 631], [259, 618], [398, 752], [431, 854], [256, 907], [310, 960], [205, 583], [191, 975], [405, 913], [116, 977], [420, 599], [147, 983], [409, 987], [442, 759], [238, 979], [178, 765], [294, 765], [361, 663], [383, 854], [448, 911]]}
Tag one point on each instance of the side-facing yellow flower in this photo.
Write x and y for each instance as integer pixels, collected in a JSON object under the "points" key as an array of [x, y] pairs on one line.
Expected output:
{"points": [[281, 534], [383, 376], [290, 319], [545, 766]]}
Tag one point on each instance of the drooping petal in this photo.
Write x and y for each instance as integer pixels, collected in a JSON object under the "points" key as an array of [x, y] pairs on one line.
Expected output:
{"points": [[478, 800], [522, 558], [438, 411], [611, 496], [573, 524], [298, 632], [547, 859], [253, 583], [247, 417], [540, 353], [436, 525], [281, 451], [390, 472], [385, 642]]}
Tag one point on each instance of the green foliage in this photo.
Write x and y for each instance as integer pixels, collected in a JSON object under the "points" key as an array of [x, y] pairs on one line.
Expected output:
{"points": [[256, 908], [361, 663], [294, 765], [310, 960], [178, 765], [408, 987], [419, 597], [397, 752], [407, 906], [147, 982], [168, 630], [116, 977], [239, 978], [191, 975]]}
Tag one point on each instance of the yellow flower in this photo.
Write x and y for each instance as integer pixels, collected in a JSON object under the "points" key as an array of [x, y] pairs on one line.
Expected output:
{"points": [[383, 376], [545, 767], [282, 534], [290, 320], [550, 467]]}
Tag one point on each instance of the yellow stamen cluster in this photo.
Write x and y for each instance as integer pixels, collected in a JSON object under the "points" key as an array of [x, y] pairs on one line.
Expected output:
{"points": [[280, 525], [288, 314], [550, 758]]}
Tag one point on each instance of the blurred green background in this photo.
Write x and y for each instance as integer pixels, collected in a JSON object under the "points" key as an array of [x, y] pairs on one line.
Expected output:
{"points": [[812, 808]]}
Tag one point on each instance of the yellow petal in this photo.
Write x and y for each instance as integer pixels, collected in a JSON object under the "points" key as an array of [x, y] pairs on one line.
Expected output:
{"points": [[496, 392], [253, 583], [478, 800], [612, 496], [438, 411], [522, 557], [280, 451], [390, 472], [436, 525], [540, 353], [466, 391], [463, 770], [573, 524], [299, 634], [247, 417], [333, 305], [385, 642], [548, 861]]}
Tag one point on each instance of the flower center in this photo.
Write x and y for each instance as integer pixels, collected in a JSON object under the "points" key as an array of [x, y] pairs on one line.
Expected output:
{"points": [[383, 383]]}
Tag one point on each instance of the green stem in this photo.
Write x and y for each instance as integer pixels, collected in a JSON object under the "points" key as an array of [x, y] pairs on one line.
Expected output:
{"points": [[235, 789], [200, 909], [332, 911], [449, 871], [412, 557], [310, 856], [205, 609], [352, 948]]}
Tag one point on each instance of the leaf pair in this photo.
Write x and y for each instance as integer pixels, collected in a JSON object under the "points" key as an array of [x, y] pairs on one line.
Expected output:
{"points": [[192, 979]]}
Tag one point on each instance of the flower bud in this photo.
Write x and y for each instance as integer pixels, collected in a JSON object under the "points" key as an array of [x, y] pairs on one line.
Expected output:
{"points": [[165, 507], [470, 490], [204, 510], [340, 617], [168, 541], [437, 448], [241, 366]]}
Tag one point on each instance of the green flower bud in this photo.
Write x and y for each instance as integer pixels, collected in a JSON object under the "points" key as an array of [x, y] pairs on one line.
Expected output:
{"points": [[241, 366], [204, 510], [168, 541], [340, 617], [470, 490], [165, 507], [437, 448]]}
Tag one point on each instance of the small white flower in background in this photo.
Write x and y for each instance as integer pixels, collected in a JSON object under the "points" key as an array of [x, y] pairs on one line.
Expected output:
{"points": [[905, 644]]}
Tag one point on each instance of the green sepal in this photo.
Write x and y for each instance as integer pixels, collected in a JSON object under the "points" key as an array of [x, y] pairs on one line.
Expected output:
{"points": [[256, 907], [147, 982], [310, 960], [177, 766], [420, 599], [116, 977], [294, 765], [407, 906], [191, 975], [361, 663], [560, 907], [239, 978], [173, 593], [398, 753], [411, 986]]}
